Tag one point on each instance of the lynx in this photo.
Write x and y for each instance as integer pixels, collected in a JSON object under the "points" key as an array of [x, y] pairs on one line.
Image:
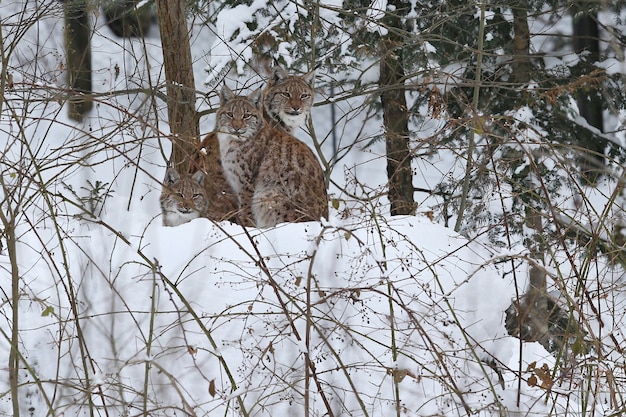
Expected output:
{"points": [[183, 197], [276, 177], [223, 203], [287, 99]]}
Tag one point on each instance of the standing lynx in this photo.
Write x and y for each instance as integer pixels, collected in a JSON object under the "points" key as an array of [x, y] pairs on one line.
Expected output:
{"points": [[182, 198], [275, 176], [287, 99]]}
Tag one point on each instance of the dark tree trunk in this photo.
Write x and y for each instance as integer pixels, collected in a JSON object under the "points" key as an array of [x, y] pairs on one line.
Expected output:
{"points": [[78, 50], [538, 286], [181, 93], [125, 19], [522, 67], [589, 101], [395, 114], [527, 317]]}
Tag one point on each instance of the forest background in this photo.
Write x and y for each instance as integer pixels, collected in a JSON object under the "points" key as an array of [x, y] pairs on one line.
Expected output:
{"points": [[473, 262]]}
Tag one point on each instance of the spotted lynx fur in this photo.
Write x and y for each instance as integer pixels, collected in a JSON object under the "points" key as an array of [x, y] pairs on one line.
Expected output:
{"points": [[287, 99], [276, 177], [183, 197], [222, 200], [287, 102]]}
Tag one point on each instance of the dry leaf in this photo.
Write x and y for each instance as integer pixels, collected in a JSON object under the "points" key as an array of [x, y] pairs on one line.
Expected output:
{"points": [[212, 388], [399, 374]]}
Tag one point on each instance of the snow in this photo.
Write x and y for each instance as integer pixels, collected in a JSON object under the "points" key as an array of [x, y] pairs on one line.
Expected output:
{"points": [[375, 12], [386, 308]]}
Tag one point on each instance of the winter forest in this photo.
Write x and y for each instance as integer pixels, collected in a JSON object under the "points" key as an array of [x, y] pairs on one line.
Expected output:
{"points": [[472, 262]]}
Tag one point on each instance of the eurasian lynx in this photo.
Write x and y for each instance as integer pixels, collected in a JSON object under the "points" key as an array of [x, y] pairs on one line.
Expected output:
{"points": [[275, 176], [287, 104], [287, 99], [223, 203], [183, 197]]}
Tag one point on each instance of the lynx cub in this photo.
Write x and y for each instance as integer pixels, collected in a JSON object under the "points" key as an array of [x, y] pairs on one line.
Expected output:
{"points": [[183, 198], [287, 99], [275, 176]]}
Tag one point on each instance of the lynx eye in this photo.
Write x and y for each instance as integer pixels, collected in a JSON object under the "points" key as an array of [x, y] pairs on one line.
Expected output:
{"points": [[196, 196], [180, 195], [305, 96], [247, 116], [230, 114], [285, 94]]}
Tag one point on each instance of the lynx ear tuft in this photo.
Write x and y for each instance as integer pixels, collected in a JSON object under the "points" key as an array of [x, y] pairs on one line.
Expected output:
{"points": [[171, 176], [309, 78], [255, 97], [226, 94], [279, 74], [198, 177]]}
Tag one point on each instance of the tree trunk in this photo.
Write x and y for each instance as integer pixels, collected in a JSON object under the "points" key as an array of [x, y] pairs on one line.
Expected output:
{"points": [[181, 93], [538, 287], [78, 50], [127, 20], [527, 317], [535, 316], [395, 114], [521, 44], [522, 69], [586, 39]]}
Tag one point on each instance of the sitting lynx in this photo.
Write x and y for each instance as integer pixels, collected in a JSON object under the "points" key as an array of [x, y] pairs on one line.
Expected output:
{"points": [[287, 99], [287, 104], [223, 202], [275, 176], [183, 198]]}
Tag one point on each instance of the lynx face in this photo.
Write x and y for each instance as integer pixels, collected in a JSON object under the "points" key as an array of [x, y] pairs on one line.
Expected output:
{"points": [[239, 120], [238, 117], [183, 197], [287, 99]]}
